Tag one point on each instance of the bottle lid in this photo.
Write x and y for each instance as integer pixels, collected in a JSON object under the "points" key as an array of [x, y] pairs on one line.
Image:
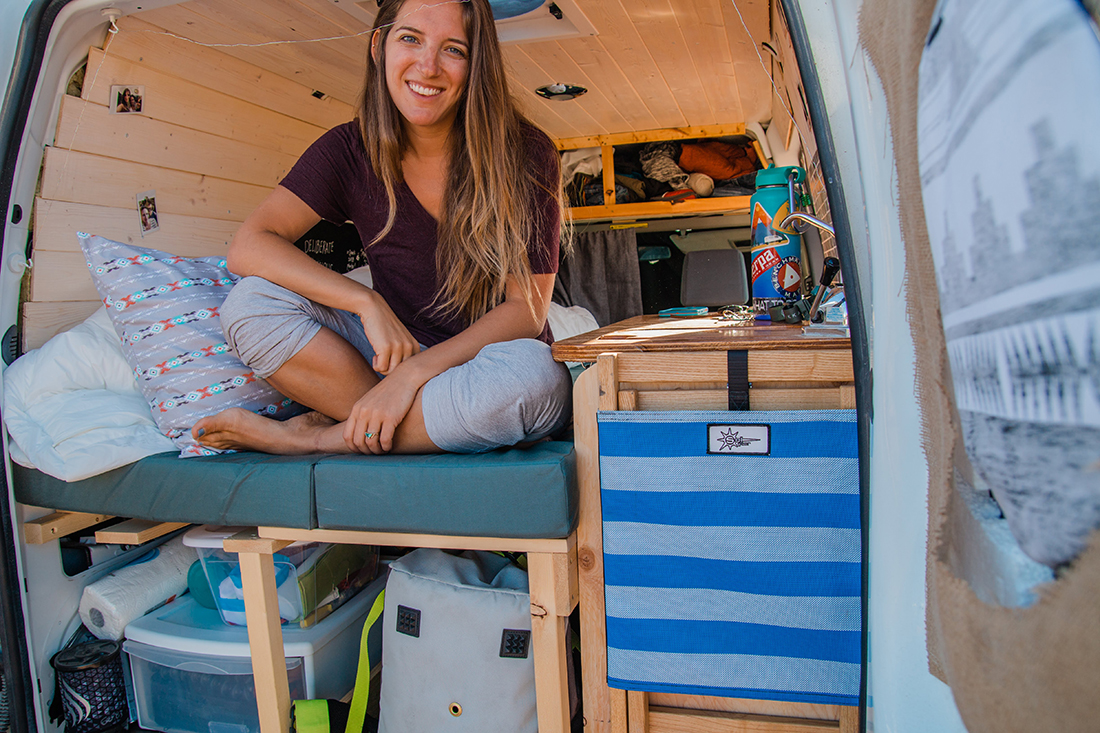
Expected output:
{"points": [[778, 176], [86, 656]]}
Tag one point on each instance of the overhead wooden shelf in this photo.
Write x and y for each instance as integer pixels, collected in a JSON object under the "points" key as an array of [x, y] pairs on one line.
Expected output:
{"points": [[650, 136], [655, 209], [611, 210]]}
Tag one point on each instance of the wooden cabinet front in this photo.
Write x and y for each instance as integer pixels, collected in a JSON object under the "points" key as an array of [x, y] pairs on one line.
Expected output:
{"points": [[652, 363]]}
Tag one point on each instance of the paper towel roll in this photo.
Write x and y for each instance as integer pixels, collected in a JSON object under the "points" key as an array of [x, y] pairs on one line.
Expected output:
{"points": [[110, 603]]}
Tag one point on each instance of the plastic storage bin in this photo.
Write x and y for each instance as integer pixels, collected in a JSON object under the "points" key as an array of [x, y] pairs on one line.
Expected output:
{"points": [[193, 674], [314, 578]]}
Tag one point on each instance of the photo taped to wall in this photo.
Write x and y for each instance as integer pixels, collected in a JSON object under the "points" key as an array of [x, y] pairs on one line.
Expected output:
{"points": [[126, 98], [147, 209]]}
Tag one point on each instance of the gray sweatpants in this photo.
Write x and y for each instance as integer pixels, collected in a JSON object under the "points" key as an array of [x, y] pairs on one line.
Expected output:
{"points": [[510, 392]]}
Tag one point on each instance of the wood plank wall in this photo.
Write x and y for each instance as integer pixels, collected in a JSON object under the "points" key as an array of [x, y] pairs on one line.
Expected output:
{"points": [[219, 127], [653, 64], [214, 136]]}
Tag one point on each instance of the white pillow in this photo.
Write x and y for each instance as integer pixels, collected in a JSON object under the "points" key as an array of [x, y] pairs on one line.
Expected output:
{"points": [[568, 322], [73, 408]]}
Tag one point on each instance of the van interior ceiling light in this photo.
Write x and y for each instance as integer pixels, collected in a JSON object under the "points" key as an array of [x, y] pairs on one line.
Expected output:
{"points": [[560, 92]]}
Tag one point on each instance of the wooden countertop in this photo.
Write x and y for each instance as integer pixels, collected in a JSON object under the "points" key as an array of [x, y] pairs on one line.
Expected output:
{"points": [[699, 333]]}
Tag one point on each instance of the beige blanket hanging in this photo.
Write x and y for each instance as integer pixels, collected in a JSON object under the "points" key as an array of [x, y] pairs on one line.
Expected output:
{"points": [[1010, 669]]}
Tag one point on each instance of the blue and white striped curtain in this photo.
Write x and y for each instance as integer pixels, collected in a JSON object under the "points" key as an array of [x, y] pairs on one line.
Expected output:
{"points": [[735, 575]]}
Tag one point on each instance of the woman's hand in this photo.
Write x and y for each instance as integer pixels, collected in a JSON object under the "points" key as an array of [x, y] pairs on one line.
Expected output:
{"points": [[379, 412], [391, 341]]}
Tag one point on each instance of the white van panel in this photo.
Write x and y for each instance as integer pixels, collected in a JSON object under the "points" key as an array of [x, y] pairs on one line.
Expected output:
{"points": [[902, 695]]}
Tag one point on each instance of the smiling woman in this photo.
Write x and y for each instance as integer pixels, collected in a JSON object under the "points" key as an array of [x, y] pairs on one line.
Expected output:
{"points": [[458, 198], [426, 62]]}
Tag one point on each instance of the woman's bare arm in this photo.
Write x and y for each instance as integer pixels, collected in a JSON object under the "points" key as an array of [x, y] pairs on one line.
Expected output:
{"points": [[264, 247], [383, 408]]}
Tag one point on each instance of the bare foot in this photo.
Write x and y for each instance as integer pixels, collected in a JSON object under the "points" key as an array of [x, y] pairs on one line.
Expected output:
{"points": [[237, 429]]}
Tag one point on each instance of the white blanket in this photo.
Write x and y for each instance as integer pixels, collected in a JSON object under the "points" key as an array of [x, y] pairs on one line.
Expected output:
{"points": [[73, 408]]}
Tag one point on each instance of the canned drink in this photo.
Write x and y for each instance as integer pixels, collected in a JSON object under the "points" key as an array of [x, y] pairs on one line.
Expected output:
{"points": [[776, 251]]}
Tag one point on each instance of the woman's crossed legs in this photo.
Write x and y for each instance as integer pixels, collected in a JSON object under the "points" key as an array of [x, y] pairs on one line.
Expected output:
{"points": [[318, 356]]}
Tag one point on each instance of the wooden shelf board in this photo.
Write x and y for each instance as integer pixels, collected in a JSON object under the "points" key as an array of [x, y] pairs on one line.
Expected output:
{"points": [[53, 526], [653, 209], [671, 720], [401, 539], [650, 136], [136, 532]]}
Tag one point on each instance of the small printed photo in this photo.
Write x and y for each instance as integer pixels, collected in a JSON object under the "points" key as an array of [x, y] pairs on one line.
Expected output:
{"points": [[126, 99], [147, 209]]}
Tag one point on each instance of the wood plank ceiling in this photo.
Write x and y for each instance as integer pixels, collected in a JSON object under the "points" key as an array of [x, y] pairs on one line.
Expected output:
{"points": [[652, 63]]}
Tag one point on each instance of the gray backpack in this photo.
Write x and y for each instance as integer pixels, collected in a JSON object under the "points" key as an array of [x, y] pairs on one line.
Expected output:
{"points": [[456, 646]]}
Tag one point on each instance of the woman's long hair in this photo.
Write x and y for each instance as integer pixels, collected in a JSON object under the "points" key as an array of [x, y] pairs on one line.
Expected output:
{"points": [[488, 208]]}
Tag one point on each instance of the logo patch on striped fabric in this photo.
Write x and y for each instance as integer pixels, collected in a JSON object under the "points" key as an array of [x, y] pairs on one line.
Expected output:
{"points": [[739, 439]]}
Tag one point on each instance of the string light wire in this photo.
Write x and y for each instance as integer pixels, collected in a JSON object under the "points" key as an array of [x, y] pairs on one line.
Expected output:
{"points": [[771, 78]]}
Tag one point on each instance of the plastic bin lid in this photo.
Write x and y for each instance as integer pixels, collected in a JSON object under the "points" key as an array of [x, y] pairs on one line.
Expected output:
{"points": [[778, 176], [201, 663], [211, 536], [86, 656], [184, 625]]}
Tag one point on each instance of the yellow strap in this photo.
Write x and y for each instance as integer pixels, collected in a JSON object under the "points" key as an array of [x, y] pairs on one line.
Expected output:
{"points": [[358, 713], [310, 716]]}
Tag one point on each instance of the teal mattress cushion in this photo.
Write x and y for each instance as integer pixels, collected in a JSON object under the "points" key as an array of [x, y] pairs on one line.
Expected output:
{"points": [[512, 492], [233, 488]]}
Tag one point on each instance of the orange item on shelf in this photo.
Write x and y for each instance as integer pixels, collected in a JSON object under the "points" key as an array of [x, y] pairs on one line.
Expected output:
{"points": [[719, 160]]}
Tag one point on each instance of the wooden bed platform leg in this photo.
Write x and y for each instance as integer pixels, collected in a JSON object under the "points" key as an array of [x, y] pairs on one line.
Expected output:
{"points": [[265, 641], [553, 578], [551, 674]]}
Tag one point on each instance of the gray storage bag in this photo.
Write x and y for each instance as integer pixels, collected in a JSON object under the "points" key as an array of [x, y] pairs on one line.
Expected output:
{"points": [[456, 646]]}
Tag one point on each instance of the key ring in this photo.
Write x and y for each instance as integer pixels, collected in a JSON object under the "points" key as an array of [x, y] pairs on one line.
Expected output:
{"points": [[736, 313]]}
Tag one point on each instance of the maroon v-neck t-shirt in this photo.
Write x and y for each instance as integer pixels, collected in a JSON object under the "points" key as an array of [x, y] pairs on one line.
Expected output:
{"points": [[334, 178]]}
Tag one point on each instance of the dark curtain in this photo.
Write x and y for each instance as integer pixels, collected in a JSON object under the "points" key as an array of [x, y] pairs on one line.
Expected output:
{"points": [[601, 274]]}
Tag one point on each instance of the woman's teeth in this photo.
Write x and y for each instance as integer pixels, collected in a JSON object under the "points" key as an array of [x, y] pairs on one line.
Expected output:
{"points": [[426, 91]]}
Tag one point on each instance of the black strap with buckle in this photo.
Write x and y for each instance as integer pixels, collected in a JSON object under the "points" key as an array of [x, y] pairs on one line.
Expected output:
{"points": [[737, 373]]}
